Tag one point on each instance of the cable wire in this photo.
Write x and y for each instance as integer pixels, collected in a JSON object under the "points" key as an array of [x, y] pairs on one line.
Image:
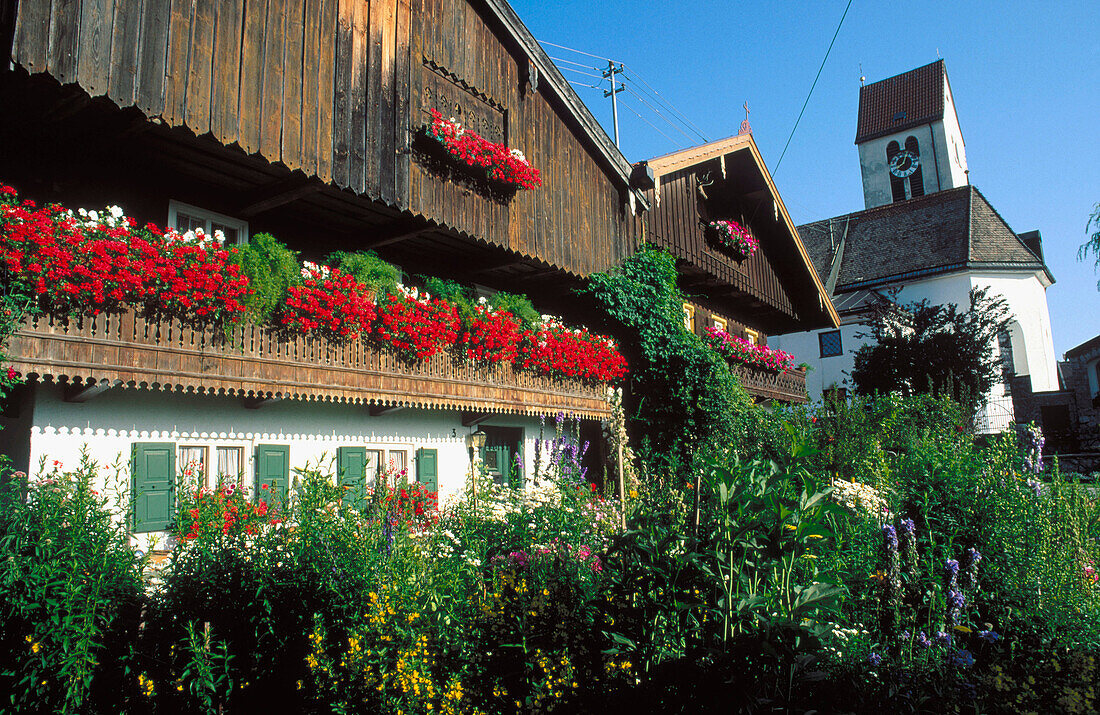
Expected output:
{"points": [[582, 84], [570, 62], [808, 94], [675, 143], [658, 113], [579, 52], [586, 74], [629, 73]]}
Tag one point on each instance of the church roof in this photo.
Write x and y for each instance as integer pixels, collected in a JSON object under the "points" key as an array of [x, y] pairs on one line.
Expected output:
{"points": [[906, 100], [952, 230]]}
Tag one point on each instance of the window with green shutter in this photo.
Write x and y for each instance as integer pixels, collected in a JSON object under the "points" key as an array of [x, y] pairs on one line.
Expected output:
{"points": [[427, 468], [272, 471], [352, 468], [154, 476]]}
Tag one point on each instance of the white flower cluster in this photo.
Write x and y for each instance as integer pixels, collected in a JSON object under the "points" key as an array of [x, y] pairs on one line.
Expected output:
{"points": [[860, 499], [519, 155], [837, 640], [198, 237], [111, 216], [416, 294], [315, 270]]}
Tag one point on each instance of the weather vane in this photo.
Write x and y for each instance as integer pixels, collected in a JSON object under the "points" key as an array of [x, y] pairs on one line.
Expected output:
{"points": [[745, 128]]}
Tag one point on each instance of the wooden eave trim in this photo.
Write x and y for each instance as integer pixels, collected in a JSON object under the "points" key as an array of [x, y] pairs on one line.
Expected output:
{"points": [[668, 163], [689, 157]]}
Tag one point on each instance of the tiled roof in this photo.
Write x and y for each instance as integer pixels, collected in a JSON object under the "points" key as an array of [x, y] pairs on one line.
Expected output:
{"points": [[948, 230], [905, 100]]}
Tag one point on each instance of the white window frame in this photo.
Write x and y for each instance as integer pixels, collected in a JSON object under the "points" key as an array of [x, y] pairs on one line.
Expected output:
{"points": [[721, 323], [752, 336], [689, 317], [211, 217], [209, 476]]}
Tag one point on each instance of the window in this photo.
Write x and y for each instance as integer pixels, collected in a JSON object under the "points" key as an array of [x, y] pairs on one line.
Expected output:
{"points": [[752, 336], [227, 466], [689, 317], [397, 460], [184, 217], [830, 343], [721, 324]]}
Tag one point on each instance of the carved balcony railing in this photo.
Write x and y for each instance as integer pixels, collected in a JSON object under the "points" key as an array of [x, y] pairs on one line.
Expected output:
{"points": [[112, 351], [771, 385]]}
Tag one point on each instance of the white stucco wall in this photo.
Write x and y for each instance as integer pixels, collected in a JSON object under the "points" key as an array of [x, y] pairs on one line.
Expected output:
{"points": [[108, 425], [1026, 298], [953, 167], [876, 172]]}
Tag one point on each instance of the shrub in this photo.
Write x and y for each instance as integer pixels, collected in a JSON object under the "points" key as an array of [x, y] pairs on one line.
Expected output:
{"points": [[271, 268], [70, 596], [367, 268]]}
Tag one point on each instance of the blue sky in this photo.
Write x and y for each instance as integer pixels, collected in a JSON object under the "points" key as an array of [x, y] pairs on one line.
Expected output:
{"points": [[1025, 78]]}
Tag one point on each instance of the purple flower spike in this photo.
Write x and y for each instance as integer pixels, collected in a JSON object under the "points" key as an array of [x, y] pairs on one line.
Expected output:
{"points": [[923, 641], [989, 636], [874, 659]]}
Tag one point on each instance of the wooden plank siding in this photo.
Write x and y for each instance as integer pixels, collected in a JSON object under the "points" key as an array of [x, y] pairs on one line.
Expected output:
{"points": [[338, 89], [676, 222]]}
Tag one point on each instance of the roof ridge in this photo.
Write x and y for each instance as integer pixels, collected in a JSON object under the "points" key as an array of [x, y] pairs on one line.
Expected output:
{"points": [[895, 205]]}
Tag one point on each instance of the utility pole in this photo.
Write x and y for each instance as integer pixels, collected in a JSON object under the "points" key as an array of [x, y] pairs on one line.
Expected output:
{"points": [[610, 73]]}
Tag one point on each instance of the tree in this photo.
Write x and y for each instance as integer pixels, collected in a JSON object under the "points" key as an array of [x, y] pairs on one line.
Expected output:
{"points": [[937, 349], [1093, 242]]}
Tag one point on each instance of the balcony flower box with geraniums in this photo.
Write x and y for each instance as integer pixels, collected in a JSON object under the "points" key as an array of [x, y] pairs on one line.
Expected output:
{"points": [[731, 238], [745, 352], [504, 167], [68, 265]]}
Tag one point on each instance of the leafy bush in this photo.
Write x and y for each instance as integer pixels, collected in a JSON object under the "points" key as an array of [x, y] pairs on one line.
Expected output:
{"points": [[367, 268], [686, 403], [70, 596], [271, 268]]}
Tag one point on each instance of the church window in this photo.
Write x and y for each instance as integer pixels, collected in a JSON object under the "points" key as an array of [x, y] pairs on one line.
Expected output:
{"points": [[897, 186], [916, 179]]}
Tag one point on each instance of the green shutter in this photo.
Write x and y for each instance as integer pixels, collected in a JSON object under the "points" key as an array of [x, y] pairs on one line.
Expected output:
{"points": [[352, 464], [272, 469], [154, 476], [427, 468]]}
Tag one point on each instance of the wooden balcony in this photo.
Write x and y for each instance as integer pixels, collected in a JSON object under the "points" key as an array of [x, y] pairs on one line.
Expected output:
{"points": [[110, 351], [771, 385]]}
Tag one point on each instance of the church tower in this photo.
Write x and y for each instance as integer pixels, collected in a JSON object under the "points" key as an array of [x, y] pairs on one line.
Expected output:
{"points": [[908, 135]]}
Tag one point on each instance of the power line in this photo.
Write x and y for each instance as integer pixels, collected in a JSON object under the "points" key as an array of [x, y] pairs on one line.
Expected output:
{"points": [[586, 74], [675, 143], [819, 69], [630, 74], [570, 62], [582, 84], [658, 113], [579, 52]]}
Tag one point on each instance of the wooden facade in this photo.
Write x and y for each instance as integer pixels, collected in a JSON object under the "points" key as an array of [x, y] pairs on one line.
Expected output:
{"points": [[339, 90], [770, 291], [126, 351]]}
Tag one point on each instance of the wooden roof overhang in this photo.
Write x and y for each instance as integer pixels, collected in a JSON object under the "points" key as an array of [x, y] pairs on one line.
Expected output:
{"points": [[741, 187], [324, 121]]}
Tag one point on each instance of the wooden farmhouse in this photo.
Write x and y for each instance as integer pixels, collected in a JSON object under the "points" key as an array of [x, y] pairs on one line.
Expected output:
{"points": [[306, 120]]}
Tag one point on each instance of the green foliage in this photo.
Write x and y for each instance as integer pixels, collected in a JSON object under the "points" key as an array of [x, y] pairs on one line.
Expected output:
{"points": [[518, 305], [1093, 242], [271, 268], [459, 294], [936, 349], [367, 268], [70, 595], [686, 404]]}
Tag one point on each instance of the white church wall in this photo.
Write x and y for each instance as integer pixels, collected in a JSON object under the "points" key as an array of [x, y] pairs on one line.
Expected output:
{"points": [[950, 145]]}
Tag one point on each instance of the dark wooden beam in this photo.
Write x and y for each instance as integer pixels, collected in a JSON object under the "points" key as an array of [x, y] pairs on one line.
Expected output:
{"points": [[277, 194], [495, 265], [379, 410], [255, 402], [88, 390], [472, 419], [396, 233]]}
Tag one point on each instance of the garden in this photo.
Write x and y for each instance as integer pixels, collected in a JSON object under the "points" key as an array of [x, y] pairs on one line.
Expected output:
{"points": [[872, 556]]}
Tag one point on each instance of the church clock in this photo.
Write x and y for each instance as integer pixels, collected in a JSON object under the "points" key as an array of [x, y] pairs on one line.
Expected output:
{"points": [[904, 163]]}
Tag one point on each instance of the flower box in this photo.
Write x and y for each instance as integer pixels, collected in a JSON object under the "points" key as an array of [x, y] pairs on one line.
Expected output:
{"points": [[505, 168], [731, 238]]}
